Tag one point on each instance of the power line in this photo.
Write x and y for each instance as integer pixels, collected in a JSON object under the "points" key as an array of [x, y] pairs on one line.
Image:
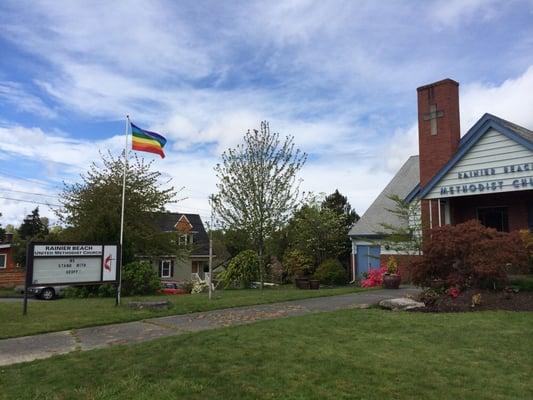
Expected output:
{"points": [[36, 194], [34, 181], [30, 201]]}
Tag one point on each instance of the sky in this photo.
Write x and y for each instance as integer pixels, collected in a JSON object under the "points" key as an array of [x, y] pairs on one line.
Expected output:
{"points": [[340, 76]]}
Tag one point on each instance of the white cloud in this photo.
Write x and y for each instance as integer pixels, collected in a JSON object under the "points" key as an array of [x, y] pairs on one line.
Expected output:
{"points": [[455, 12], [54, 148], [511, 100], [328, 73], [13, 93], [402, 145]]}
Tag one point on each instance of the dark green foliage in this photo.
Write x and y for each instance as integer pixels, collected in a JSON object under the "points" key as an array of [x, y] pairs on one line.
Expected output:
{"points": [[19, 250], [232, 241], [339, 203], [33, 227], [242, 270], [91, 209], [86, 291], [522, 282], [139, 278], [319, 233], [331, 272], [298, 264]]}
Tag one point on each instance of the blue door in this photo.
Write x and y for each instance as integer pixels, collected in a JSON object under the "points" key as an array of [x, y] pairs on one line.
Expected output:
{"points": [[367, 257]]}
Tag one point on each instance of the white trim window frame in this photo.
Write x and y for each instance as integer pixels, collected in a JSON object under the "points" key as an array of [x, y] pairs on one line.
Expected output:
{"points": [[183, 239], [3, 265], [166, 266]]}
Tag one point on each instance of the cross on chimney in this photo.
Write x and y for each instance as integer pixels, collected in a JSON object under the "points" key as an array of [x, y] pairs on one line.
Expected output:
{"points": [[432, 117]]}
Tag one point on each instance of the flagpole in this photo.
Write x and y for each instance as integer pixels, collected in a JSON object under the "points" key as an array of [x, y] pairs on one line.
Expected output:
{"points": [[126, 152]]}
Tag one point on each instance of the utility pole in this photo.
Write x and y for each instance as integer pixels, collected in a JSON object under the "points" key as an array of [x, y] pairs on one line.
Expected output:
{"points": [[211, 249]]}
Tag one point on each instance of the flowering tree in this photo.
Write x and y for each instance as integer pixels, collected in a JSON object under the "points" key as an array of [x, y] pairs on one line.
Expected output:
{"points": [[257, 188]]}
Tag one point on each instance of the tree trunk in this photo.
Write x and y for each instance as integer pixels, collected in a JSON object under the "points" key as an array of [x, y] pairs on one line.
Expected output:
{"points": [[261, 274]]}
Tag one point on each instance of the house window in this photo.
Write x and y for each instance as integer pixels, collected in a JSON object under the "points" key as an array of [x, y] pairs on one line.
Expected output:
{"points": [[185, 239], [3, 261], [166, 268], [494, 217]]}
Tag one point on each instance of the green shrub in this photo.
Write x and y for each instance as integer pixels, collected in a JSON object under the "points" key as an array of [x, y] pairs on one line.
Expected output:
{"points": [[105, 290], [242, 270], [522, 282], [139, 278], [297, 263], [331, 272]]}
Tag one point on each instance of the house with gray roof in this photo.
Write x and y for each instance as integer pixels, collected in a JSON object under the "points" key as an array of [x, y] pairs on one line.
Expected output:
{"points": [[368, 233], [191, 235]]}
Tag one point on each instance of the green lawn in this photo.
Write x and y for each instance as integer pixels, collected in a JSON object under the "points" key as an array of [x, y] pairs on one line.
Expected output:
{"points": [[352, 354], [49, 316]]}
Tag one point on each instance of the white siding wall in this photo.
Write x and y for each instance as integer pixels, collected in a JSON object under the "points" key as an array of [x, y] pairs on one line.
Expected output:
{"points": [[492, 153]]}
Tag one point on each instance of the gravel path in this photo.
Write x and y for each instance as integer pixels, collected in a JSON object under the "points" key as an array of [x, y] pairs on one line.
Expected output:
{"points": [[46, 345]]}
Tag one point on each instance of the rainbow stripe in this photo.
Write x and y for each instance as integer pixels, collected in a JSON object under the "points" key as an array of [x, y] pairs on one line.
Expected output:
{"points": [[151, 142]]}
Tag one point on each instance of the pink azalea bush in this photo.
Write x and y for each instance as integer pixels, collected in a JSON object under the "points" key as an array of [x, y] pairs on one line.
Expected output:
{"points": [[453, 292], [375, 277]]}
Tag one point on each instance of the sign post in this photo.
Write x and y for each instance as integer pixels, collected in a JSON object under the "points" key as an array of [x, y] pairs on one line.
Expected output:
{"points": [[54, 264]]}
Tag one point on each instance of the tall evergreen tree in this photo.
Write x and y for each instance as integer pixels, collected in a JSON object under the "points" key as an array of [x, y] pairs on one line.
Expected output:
{"points": [[339, 203], [33, 227]]}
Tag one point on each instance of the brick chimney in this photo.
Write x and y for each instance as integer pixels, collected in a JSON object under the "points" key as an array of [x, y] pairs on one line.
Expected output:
{"points": [[8, 238], [438, 126]]}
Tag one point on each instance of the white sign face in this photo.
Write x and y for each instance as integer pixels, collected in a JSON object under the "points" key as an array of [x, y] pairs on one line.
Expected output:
{"points": [[49, 270], [109, 263], [66, 250]]}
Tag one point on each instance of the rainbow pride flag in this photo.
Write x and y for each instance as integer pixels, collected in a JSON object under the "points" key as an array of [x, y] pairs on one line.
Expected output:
{"points": [[151, 142]]}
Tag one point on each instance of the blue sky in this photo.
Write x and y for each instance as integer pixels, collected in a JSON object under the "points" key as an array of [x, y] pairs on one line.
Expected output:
{"points": [[341, 76]]}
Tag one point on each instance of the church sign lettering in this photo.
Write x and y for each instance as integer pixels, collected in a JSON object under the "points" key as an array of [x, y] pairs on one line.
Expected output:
{"points": [[72, 264], [505, 180]]}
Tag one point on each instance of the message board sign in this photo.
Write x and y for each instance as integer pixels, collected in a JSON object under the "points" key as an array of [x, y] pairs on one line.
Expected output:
{"points": [[72, 264]]}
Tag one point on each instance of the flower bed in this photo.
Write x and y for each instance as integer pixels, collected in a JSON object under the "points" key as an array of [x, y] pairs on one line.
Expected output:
{"points": [[477, 300]]}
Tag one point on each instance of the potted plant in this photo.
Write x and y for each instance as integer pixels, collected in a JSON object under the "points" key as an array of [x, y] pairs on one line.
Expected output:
{"points": [[391, 278]]}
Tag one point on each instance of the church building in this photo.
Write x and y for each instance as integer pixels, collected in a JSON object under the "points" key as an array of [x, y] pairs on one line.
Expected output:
{"points": [[485, 175]]}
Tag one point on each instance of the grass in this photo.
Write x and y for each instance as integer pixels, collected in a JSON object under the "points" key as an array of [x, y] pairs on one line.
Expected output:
{"points": [[63, 314], [352, 354]]}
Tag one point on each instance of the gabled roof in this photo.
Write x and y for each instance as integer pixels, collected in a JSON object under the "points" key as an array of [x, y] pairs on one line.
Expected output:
{"points": [[183, 224], [514, 132], [403, 183], [167, 221]]}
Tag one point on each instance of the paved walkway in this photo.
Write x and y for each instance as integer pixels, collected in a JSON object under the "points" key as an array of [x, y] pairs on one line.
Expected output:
{"points": [[46, 345]]}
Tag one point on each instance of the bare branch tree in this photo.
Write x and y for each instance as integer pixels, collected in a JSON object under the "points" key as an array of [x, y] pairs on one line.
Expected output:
{"points": [[258, 188]]}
